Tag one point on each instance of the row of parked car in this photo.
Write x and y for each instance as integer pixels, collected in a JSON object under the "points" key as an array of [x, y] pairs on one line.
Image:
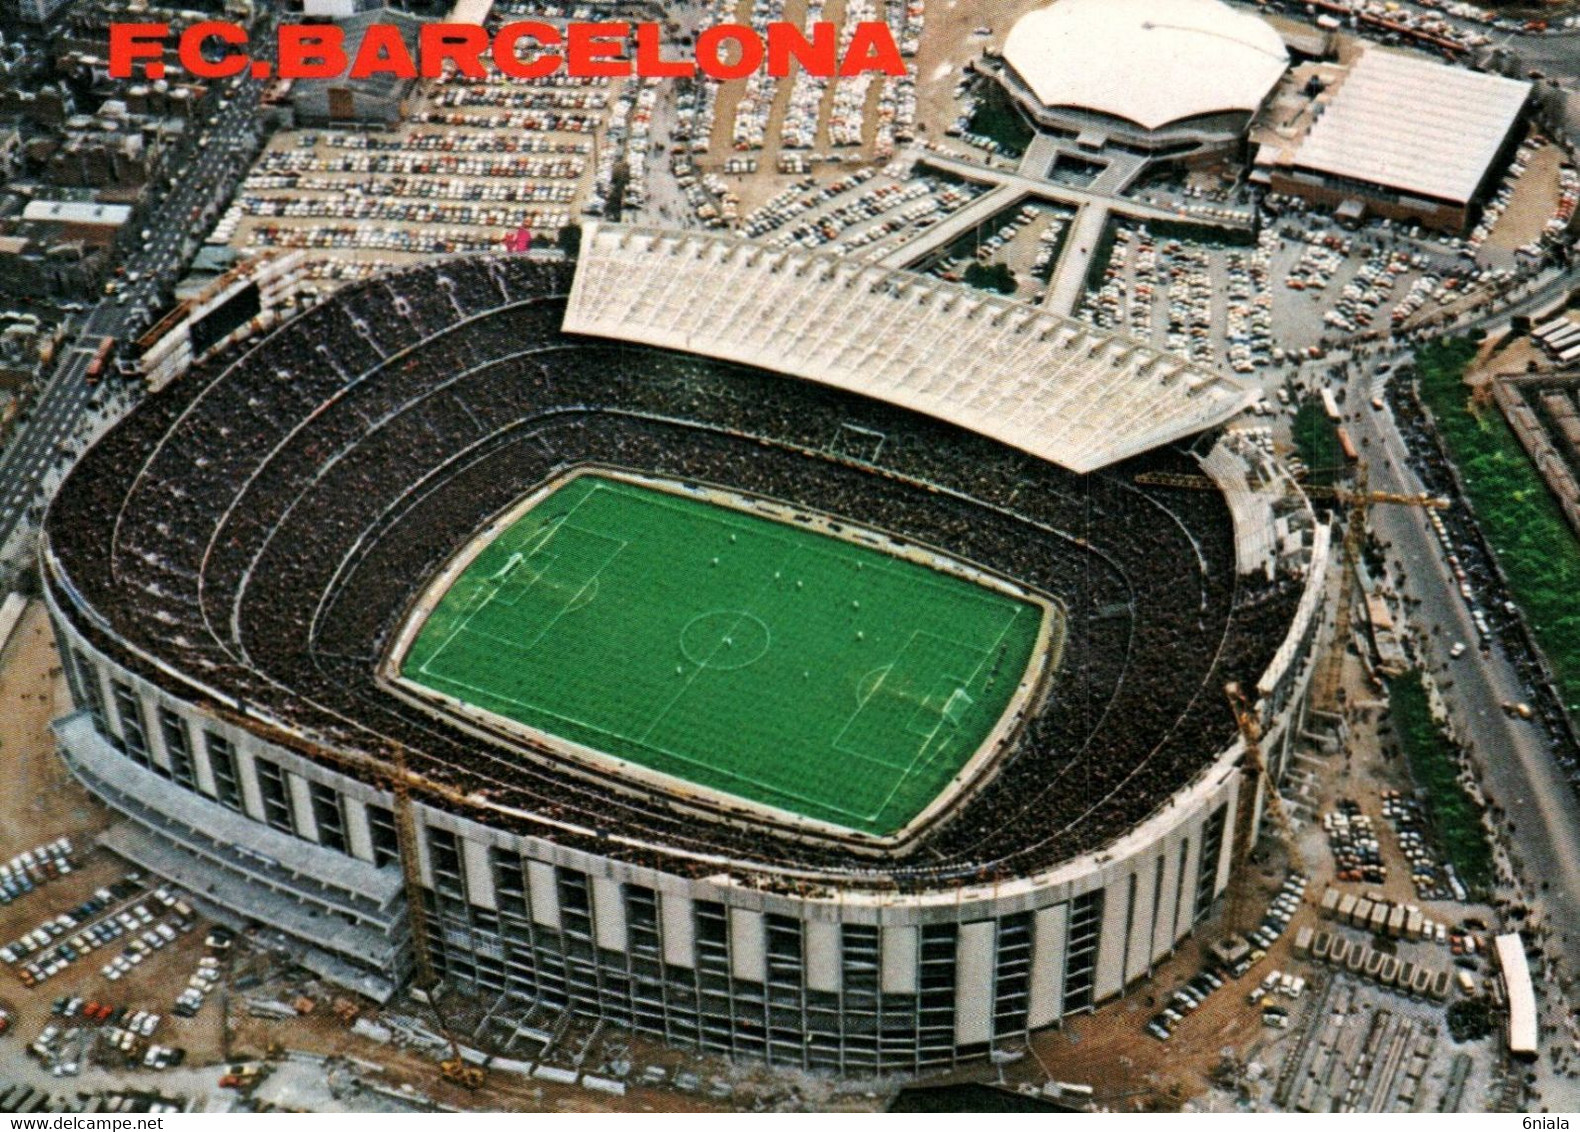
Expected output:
{"points": [[203, 981], [1195, 991], [139, 948], [796, 200], [1191, 299], [1283, 908], [28, 870], [143, 1022], [292, 162], [1366, 291], [54, 927], [1493, 210], [1123, 300], [445, 141], [426, 240], [1352, 839], [1186, 999], [1408, 818]]}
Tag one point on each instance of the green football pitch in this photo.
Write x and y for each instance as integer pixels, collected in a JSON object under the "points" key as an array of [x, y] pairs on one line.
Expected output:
{"points": [[775, 663]]}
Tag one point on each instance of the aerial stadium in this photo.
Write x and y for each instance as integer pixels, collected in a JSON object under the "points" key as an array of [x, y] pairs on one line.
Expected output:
{"points": [[779, 654]]}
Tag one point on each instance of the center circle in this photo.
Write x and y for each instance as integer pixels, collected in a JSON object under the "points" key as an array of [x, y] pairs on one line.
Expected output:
{"points": [[722, 639]]}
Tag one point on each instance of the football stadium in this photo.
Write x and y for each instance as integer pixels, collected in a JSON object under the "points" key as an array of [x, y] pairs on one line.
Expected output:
{"points": [[766, 652]]}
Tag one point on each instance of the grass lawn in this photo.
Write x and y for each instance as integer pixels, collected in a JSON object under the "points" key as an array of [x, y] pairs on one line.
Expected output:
{"points": [[1434, 769], [1317, 442], [1533, 543], [776, 663]]}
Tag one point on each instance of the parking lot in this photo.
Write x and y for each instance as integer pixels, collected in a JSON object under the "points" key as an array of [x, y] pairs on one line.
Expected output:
{"points": [[866, 213], [472, 163], [1316, 283]]}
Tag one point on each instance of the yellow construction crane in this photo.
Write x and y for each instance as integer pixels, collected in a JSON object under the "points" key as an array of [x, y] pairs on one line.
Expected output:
{"points": [[395, 776], [1255, 772], [1348, 496], [455, 1068], [1329, 677]]}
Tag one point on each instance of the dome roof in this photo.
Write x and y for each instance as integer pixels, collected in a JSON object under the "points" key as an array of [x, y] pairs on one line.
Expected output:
{"points": [[1151, 62]]}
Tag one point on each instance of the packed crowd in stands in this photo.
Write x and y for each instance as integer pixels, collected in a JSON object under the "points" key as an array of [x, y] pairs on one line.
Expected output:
{"points": [[265, 523]]}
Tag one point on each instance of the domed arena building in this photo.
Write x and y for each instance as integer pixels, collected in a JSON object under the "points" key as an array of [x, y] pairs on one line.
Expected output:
{"points": [[1163, 78]]}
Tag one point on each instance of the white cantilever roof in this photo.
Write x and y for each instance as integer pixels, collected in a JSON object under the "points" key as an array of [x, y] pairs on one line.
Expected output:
{"points": [[1043, 383], [1151, 62]]}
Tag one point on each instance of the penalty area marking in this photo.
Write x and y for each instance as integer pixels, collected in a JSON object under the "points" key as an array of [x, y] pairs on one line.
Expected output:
{"points": [[508, 573]]}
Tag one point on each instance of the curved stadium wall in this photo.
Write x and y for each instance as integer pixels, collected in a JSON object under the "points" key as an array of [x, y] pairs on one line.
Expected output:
{"points": [[229, 707]]}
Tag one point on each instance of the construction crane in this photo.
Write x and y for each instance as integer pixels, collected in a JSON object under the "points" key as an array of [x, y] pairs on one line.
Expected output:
{"points": [[395, 776], [1348, 496], [455, 1068], [1255, 771], [1329, 677]]}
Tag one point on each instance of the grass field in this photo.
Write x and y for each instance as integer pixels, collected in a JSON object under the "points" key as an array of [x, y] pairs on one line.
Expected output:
{"points": [[779, 664], [1317, 441], [1533, 543], [1433, 768]]}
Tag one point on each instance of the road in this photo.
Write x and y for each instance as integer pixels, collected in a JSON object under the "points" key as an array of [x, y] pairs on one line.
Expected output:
{"points": [[1518, 769], [201, 189], [1515, 766]]}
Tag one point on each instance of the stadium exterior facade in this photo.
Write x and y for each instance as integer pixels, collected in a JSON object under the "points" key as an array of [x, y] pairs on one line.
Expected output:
{"points": [[227, 801]]}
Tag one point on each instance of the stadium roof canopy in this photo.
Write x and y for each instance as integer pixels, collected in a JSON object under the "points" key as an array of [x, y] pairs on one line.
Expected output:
{"points": [[1414, 125], [1040, 382], [1151, 62]]}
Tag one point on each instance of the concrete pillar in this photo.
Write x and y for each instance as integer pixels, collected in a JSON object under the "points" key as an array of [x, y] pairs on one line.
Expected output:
{"points": [[680, 930], [1167, 911], [748, 942], [202, 768], [1185, 914], [153, 733], [1111, 945], [306, 821], [247, 775], [1230, 823], [1049, 930], [608, 901], [545, 893], [899, 945], [1138, 956], [359, 837], [974, 982], [822, 951], [424, 859], [479, 874], [112, 706]]}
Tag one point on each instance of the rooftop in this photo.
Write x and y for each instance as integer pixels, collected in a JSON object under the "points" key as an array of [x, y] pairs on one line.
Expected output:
{"points": [[1413, 125], [1155, 62], [1020, 375]]}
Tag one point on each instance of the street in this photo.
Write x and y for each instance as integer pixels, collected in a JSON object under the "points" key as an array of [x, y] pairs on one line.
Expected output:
{"points": [[175, 231]]}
